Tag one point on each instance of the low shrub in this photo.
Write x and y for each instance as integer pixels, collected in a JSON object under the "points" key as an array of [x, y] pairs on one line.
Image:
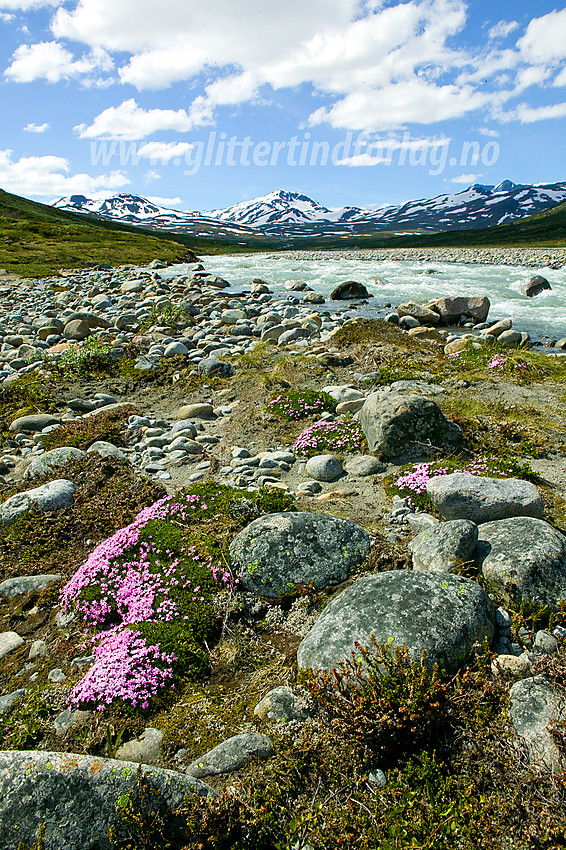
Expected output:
{"points": [[342, 435], [300, 404]]}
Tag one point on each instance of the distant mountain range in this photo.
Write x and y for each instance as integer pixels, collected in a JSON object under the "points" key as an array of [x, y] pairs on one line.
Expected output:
{"points": [[290, 214]]}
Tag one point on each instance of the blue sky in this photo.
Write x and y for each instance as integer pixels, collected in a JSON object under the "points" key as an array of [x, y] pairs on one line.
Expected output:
{"points": [[353, 102]]}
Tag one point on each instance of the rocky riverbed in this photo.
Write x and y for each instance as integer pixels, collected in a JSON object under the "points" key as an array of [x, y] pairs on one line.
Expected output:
{"points": [[225, 490]]}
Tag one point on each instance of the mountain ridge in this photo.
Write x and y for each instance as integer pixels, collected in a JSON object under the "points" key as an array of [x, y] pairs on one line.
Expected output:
{"points": [[292, 214]]}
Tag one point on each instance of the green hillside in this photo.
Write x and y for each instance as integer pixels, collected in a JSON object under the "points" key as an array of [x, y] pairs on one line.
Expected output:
{"points": [[36, 239]]}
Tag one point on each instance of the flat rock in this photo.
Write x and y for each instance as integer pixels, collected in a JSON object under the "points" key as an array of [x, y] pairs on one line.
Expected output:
{"points": [[76, 795], [463, 496], [364, 465], [106, 450], [52, 459], [444, 546], [533, 704], [394, 422], [211, 366], [23, 584], [442, 614], [231, 755], [34, 422], [196, 411], [9, 641], [278, 553], [8, 700], [523, 559]]}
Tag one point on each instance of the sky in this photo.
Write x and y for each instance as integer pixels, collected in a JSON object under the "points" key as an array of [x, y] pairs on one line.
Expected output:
{"points": [[201, 105]]}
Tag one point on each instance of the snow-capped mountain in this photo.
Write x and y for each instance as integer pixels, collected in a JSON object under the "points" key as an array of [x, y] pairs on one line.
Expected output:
{"points": [[288, 214]]}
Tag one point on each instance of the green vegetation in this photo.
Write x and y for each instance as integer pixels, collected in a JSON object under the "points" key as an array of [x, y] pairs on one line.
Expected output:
{"points": [[38, 240], [167, 316], [84, 432], [301, 404], [91, 358]]}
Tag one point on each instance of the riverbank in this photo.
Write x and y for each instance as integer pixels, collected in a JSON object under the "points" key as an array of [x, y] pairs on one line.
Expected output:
{"points": [[553, 258]]}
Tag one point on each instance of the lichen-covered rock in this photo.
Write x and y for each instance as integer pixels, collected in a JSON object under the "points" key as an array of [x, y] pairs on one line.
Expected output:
{"points": [[75, 795], [279, 552], [442, 614], [444, 546], [52, 459], [231, 755], [23, 584], [394, 422], [523, 559], [463, 496], [49, 497], [533, 704], [143, 750], [280, 704]]}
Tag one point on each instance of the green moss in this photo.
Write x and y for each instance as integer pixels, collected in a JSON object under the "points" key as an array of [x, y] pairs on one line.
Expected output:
{"points": [[86, 431]]}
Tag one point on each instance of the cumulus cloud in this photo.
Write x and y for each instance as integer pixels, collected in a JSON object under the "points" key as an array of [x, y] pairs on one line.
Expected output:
{"points": [[130, 121], [164, 152], [544, 39], [49, 176], [51, 61], [36, 128], [395, 105], [529, 114], [164, 202]]}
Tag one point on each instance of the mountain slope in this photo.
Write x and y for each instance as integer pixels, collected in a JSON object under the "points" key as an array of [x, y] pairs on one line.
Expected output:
{"points": [[36, 239]]}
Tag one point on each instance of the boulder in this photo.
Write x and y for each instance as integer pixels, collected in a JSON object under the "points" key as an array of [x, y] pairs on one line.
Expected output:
{"points": [[536, 285], [349, 289], [443, 615], [475, 307], [34, 422], [106, 450], [23, 584], [143, 750], [75, 795], [423, 314], [49, 497], [394, 422], [280, 704], [219, 368], [364, 465], [464, 496], [324, 468], [9, 641], [198, 410], [523, 559], [278, 553], [533, 704], [232, 754], [444, 546], [499, 327], [51, 460], [76, 329]]}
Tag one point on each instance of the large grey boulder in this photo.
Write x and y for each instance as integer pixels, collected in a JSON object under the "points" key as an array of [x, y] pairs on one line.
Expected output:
{"points": [[278, 553], [536, 285], [533, 704], [75, 795], [324, 468], [523, 559], [49, 497], [463, 496], [231, 755], [33, 422], [474, 307], [50, 460], [23, 584], [444, 546], [418, 311], [394, 422], [442, 614]]}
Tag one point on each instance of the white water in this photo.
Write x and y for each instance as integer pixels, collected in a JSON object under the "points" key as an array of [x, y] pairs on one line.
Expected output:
{"points": [[394, 282]]}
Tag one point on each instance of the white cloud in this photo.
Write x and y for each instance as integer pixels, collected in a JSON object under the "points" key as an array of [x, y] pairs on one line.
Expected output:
{"points": [[36, 128], [544, 39], [164, 202], [466, 179], [6, 18], [487, 131], [164, 152], [532, 76], [48, 176], [503, 29], [398, 104], [51, 61], [560, 79], [528, 114], [130, 121]]}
